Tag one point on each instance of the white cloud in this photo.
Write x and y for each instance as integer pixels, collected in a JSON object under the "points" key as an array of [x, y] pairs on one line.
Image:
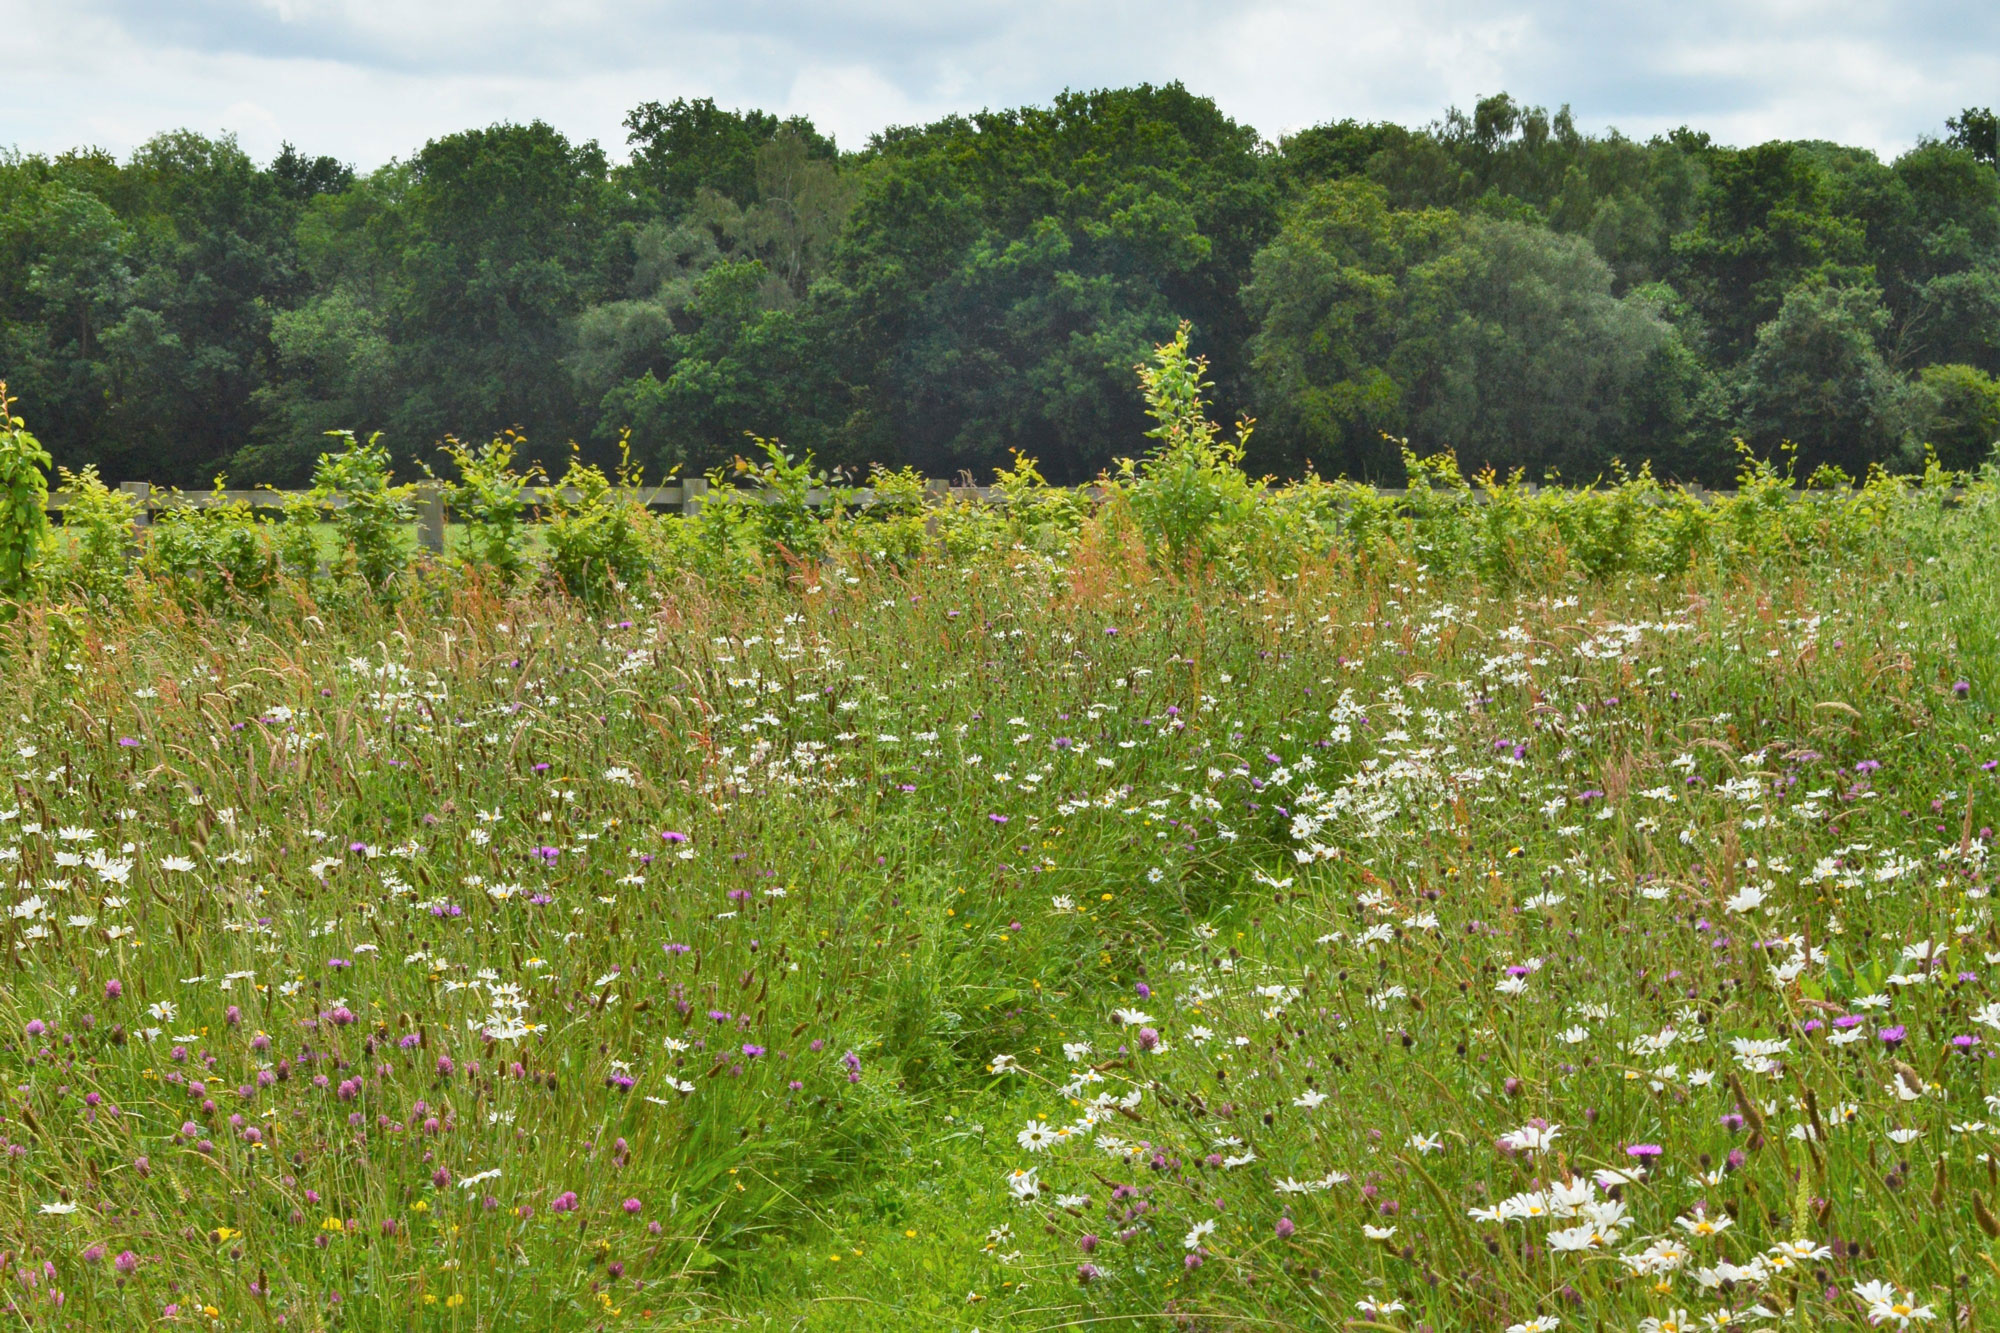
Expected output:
{"points": [[371, 79]]}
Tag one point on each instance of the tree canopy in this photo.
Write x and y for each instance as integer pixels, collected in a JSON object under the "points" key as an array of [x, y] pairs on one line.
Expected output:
{"points": [[1497, 283]]}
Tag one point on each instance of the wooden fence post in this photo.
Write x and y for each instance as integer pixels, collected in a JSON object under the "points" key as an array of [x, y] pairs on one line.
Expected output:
{"points": [[430, 517], [142, 512], [692, 491]]}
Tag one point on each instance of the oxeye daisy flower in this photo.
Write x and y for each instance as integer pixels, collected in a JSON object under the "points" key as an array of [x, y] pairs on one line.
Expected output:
{"points": [[1797, 1251], [1037, 1136], [1888, 1304], [1700, 1224]]}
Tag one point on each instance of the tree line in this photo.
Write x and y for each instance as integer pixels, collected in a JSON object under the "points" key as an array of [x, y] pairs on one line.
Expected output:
{"points": [[1498, 284]]}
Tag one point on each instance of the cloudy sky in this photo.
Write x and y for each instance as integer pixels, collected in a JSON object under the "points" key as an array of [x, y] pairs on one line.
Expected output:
{"points": [[368, 80]]}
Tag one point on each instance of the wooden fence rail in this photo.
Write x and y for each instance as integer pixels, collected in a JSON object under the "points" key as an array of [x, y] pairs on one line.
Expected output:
{"points": [[685, 497]]}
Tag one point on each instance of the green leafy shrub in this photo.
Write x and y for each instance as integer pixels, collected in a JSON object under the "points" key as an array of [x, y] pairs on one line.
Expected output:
{"points": [[1510, 538], [782, 486], [492, 501], [1440, 509], [297, 542], [98, 524], [24, 498], [1039, 516], [1606, 529], [721, 543], [370, 514], [1190, 494], [212, 555], [896, 526], [596, 532]]}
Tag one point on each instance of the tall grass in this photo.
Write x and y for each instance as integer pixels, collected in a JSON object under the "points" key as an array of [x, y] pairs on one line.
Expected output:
{"points": [[1424, 915]]}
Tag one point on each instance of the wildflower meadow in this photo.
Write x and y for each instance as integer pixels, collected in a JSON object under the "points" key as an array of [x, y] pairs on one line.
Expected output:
{"points": [[1177, 904]]}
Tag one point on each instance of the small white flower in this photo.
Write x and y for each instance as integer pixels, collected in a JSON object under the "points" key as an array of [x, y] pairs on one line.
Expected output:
{"points": [[1037, 1136]]}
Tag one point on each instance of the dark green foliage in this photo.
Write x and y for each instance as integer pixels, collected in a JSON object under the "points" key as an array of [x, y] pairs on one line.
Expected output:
{"points": [[683, 148], [1493, 338], [1816, 379], [505, 238], [1002, 274], [1977, 131], [1500, 283], [1956, 410]]}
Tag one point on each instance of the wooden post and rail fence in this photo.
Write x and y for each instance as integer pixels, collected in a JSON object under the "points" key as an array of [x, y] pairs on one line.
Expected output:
{"points": [[684, 497]]}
